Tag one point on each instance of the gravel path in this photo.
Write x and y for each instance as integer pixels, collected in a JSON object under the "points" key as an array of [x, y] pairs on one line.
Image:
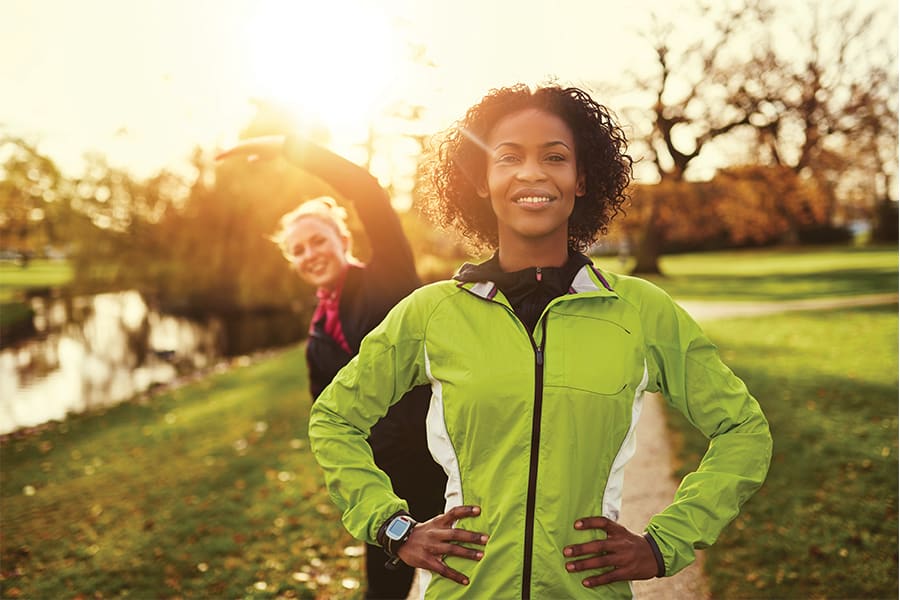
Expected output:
{"points": [[649, 488], [706, 311]]}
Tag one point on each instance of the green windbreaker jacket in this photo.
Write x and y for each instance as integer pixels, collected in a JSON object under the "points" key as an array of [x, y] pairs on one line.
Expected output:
{"points": [[536, 427]]}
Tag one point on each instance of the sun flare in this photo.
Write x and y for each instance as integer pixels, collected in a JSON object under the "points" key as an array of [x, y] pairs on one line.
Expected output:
{"points": [[332, 62]]}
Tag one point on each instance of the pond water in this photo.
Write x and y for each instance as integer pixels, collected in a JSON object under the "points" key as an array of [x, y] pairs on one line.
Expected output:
{"points": [[95, 351]]}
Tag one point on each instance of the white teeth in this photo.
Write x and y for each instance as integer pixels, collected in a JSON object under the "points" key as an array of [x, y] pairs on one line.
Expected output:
{"points": [[315, 266], [532, 200]]}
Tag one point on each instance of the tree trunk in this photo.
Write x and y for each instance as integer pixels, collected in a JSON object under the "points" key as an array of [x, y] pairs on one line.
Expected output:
{"points": [[886, 225], [649, 246]]}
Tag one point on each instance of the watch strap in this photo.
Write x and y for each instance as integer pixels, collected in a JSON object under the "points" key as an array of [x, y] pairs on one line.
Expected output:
{"points": [[391, 546]]}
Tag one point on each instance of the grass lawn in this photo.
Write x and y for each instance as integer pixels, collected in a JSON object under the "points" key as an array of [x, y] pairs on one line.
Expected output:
{"points": [[14, 280], [39, 273], [775, 274], [208, 491], [824, 525]]}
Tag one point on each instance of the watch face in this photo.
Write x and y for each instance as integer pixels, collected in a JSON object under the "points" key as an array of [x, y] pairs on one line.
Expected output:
{"points": [[397, 528]]}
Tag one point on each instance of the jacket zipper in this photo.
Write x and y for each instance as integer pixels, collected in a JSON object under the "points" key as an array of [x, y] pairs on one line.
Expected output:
{"points": [[535, 446], [535, 452]]}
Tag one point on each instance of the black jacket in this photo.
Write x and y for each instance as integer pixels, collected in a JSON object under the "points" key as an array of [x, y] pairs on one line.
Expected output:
{"points": [[368, 294]]}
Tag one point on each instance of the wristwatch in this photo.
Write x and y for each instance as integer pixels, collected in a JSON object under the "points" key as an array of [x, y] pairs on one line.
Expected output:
{"points": [[393, 534]]}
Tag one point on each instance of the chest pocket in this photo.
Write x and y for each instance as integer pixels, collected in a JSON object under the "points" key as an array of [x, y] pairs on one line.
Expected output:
{"points": [[591, 354]]}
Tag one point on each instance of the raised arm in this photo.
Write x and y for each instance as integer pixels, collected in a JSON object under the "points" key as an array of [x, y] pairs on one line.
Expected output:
{"points": [[264, 147], [390, 248]]}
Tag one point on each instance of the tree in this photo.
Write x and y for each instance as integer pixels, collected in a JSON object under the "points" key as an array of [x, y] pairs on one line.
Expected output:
{"points": [[836, 115], [702, 89], [817, 97], [118, 245], [34, 198], [218, 257]]}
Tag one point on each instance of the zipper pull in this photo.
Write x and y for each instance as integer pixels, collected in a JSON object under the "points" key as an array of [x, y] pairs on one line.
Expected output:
{"points": [[539, 355], [537, 273]]}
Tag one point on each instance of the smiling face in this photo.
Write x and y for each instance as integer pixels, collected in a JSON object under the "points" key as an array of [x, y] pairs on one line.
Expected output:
{"points": [[532, 180], [316, 250]]}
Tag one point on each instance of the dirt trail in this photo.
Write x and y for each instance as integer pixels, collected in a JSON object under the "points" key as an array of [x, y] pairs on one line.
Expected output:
{"points": [[649, 488], [706, 311]]}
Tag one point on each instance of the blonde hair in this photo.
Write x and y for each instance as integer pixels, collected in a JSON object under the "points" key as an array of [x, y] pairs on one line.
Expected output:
{"points": [[324, 208]]}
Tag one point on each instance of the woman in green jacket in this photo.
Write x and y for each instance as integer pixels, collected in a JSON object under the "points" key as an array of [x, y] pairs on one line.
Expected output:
{"points": [[537, 363]]}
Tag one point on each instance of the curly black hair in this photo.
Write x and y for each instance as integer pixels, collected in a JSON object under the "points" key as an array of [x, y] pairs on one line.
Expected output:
{"points": [[446, 191]]}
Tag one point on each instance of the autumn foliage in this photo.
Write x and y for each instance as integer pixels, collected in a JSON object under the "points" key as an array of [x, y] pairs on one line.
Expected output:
{"points": [[747, 205]]}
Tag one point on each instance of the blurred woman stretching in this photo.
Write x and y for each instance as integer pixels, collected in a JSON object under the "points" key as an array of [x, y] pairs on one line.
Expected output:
{"points": [[352, 299]]}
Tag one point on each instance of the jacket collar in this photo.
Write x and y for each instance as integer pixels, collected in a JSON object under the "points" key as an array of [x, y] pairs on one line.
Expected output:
{"points": [[479, 279], [592, 279]]}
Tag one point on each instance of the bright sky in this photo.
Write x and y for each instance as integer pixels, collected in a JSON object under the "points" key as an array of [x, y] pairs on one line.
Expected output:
{"points": [[143, 81]]}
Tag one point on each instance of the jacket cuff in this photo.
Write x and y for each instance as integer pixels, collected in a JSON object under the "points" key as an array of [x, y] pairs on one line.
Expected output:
{"points": [[660, 564]]}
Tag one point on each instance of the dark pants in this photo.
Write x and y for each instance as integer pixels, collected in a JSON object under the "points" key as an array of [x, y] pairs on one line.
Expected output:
{"points": [[385, 584], [415, 477]]}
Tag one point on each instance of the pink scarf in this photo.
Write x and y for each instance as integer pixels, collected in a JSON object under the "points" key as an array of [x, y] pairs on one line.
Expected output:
{"points": [[329, 302]]}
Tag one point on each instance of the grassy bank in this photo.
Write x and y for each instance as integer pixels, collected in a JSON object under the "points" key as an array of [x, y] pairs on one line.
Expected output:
{"points": [[15, 280], [208, 491], [39, 273], [824, 525]]}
